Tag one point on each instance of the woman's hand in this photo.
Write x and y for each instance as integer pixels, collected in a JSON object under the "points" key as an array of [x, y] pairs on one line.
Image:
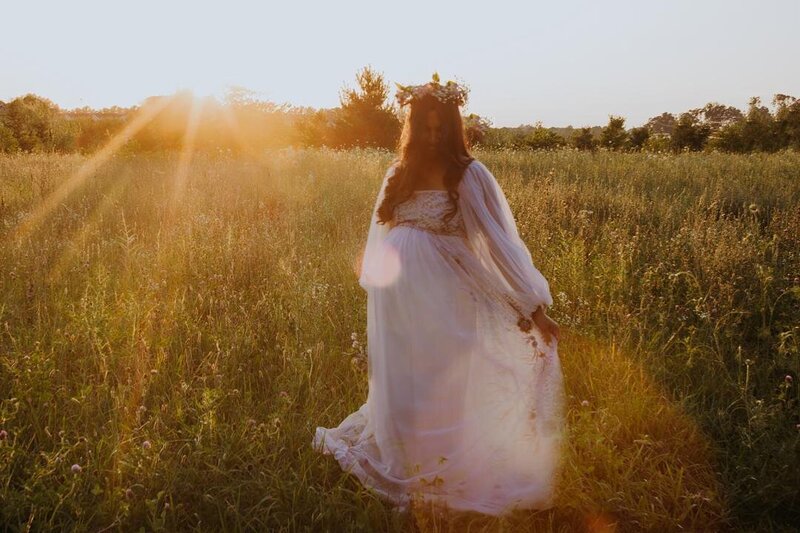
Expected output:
{"points": [[546, 325]]}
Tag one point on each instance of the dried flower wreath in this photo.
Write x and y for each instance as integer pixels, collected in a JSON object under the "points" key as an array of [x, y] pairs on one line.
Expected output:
{"points": [[449, 92]]}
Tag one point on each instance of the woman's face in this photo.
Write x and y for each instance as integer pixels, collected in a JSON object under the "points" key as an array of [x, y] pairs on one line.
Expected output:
{"points": [[433, 130]]}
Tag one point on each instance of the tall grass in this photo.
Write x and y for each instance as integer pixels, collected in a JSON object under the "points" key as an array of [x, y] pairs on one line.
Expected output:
{"points": [[179, 348]]}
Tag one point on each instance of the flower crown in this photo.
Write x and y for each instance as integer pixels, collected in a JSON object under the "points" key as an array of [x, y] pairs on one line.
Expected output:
{"points": [[449, 92]]}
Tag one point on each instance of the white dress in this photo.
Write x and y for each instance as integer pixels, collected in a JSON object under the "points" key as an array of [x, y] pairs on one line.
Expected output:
{"points": [[464, 409]]}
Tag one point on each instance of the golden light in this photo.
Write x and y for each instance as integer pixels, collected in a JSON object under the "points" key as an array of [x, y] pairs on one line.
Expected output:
{"points": [[76, 242], [145, 116], [185, 159], [233, 127], [87, 169]]}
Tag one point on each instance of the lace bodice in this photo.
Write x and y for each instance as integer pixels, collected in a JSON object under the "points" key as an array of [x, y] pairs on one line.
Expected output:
{"points": [[425, 210]]}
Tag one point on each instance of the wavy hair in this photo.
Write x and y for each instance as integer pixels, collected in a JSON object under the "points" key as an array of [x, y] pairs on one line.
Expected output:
{"points": [[412, 154]]}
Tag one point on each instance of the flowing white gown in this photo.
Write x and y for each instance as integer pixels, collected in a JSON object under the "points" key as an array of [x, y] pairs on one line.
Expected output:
{"points": [[465, 409]]}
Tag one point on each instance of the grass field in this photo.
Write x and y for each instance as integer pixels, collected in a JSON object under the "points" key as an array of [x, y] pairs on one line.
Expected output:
{"points": [[172, 329]]}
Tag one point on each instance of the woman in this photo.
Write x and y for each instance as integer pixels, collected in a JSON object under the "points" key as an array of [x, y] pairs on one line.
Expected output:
{"points": [[466, 405]]}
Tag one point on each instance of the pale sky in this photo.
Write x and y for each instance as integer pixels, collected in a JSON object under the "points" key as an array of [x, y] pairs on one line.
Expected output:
{"points": [[561, 63]]}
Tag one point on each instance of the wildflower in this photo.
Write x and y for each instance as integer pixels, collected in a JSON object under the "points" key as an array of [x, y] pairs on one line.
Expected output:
{"points": [[283, 394], [129, 494], [3, 434], [585, 403], [76, 469], [788, 379], [146, 445]]}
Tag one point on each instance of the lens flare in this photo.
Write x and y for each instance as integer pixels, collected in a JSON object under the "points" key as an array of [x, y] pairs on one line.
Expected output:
{"points": [[384, 268]]}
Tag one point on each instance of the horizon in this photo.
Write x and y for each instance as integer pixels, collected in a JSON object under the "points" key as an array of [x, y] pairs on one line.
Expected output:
{"points": [[765, 100], [555, 72]]}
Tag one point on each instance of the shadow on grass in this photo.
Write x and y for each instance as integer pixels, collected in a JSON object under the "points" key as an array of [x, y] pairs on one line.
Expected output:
{"points": [[633, 460]]}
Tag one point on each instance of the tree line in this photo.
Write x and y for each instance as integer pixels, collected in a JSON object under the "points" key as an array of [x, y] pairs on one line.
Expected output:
{"points": [[366, 118], [712, 127]]}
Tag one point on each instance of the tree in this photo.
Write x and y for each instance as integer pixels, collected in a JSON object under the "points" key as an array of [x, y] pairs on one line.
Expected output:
{"points": [[787, 121], [662, 124], [717, 116], [614, 135], [251, 123], [8, 143], [31, 120], [314, 128], [758, 131], [583, 139], [689, 133], [761, 130], [638, 138], [365, 118], [475, 128], [238, 96], [541, 138]]}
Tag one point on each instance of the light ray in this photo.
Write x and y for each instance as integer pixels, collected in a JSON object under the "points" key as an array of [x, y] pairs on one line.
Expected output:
{"points": [[78, 240], [185, 159], [234, 127], [24, 228]]}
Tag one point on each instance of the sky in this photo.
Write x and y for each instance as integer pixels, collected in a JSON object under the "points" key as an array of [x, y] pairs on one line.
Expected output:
{"points": [[559, 63]]}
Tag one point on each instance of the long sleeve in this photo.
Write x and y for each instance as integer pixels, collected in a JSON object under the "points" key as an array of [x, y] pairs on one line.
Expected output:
{"points": [[493, 236], [374, 268]]}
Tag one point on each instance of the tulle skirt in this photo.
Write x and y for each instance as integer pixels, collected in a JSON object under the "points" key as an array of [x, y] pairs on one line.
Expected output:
{"points": [[465, 410]]}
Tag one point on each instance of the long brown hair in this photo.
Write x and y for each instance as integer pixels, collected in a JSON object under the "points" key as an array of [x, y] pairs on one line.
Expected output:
{"points": [[412, 157]]}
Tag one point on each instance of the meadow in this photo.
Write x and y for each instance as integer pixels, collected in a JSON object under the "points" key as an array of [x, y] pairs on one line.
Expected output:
{"points": [[174, 327]]}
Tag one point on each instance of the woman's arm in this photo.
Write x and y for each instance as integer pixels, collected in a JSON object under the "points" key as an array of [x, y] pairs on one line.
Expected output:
{"points": [[494, 236], [370, 268]]}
